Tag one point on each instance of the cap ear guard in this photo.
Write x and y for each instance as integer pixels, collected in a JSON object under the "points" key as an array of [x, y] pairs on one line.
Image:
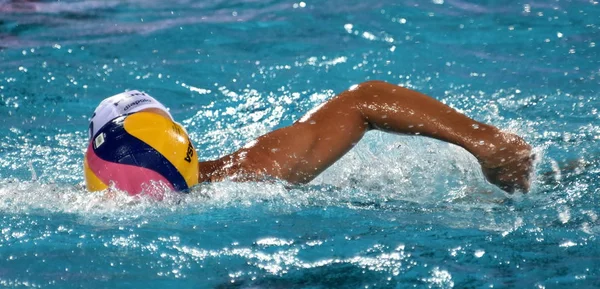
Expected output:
{"points": [[93, 183]]}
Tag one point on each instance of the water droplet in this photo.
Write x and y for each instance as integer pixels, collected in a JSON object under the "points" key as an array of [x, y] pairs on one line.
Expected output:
{"points": [[479, 253]]}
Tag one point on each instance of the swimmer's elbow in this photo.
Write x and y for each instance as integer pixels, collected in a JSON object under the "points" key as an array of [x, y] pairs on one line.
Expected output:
{"points": [[377, 91], [372, 83], [372, 86]]}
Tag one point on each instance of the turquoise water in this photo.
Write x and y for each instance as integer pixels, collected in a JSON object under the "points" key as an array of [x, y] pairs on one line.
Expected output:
{"points": [[396, 212]]}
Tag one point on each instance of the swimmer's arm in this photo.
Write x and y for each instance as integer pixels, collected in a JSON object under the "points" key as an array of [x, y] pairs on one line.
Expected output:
{"points": [[300, 152]]}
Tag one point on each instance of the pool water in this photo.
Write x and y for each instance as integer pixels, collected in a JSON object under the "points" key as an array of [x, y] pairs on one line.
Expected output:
{"points": [[396, 212]]}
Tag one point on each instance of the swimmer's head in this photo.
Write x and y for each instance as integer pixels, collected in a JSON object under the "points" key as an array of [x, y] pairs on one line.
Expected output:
{"points": [[136, 146]]}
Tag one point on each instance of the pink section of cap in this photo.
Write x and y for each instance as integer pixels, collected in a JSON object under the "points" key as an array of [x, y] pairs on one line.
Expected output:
{"points": [[125, 177]]}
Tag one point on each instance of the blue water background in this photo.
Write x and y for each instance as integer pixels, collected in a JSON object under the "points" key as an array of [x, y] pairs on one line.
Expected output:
{"points": [[396, 212]]}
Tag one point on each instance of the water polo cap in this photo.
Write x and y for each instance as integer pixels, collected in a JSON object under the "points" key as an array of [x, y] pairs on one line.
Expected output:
{"points": [[122, 104], [135, 151]]}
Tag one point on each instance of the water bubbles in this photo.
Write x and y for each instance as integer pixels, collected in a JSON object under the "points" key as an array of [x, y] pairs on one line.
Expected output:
{"points": [[479, 253], [455, 251], [567, 244], [368, 35], [299, 5], [266, 242], [440, 278], [564, 215]]}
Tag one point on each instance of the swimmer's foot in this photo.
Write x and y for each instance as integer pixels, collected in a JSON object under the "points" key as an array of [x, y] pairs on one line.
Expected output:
{"points": [[508, 163]]}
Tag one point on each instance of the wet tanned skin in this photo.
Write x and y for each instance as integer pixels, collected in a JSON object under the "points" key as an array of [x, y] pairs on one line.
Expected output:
{"points": [[300, 152]]}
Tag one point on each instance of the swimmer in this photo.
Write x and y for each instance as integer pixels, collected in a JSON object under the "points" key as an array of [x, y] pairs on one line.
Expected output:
{"points": [[301, 151]]}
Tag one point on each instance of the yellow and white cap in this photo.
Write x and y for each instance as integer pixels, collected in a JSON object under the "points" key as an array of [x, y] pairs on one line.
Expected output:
{"points": [[122, 104]]}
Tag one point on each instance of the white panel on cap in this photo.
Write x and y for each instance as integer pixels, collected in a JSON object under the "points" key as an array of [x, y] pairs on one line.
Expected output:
{"points": [[122, 104]]}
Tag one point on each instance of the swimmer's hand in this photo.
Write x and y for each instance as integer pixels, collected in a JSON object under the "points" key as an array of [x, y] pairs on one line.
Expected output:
{"points": [[508, 164]]}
